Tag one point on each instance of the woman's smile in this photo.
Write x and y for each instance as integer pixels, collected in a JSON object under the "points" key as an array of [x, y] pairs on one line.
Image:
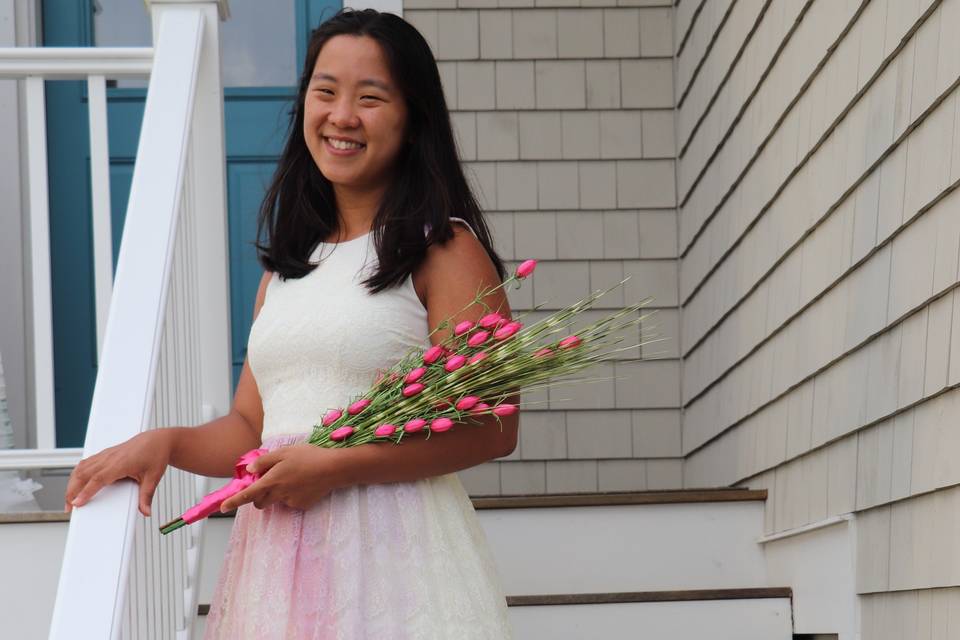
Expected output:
{"points": [[340, 147]]}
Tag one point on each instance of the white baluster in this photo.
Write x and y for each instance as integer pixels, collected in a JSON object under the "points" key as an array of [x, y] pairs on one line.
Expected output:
{"points": [[100, 201]]}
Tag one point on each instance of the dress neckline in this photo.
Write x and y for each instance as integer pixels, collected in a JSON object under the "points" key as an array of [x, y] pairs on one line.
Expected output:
{"points": [[360, 237]]}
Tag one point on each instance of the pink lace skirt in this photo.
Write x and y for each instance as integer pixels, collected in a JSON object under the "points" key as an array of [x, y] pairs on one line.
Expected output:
{"points": [[388, 561]]}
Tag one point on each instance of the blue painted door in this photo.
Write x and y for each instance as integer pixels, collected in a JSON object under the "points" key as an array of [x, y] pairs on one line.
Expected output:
{"points": [[256, 120]]}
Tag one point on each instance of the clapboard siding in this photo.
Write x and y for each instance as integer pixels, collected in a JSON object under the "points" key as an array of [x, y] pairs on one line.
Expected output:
{"points": [[564, 120]]}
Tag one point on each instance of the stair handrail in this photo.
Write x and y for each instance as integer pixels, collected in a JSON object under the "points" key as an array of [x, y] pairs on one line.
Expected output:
{"points": [[92, 589]]}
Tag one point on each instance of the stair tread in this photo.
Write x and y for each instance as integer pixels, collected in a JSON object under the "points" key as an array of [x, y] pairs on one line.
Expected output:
{"points": [[673, 496], [667, 496], [686, 595]]}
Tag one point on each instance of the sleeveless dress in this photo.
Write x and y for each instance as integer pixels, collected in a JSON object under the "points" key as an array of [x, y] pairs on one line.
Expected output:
{"points": [[397, 561]]}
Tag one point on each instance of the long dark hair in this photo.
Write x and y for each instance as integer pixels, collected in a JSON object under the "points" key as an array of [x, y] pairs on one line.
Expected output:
{"points": [[299, 208]]}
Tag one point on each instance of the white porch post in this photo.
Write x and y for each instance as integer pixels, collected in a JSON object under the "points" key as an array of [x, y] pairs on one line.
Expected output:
{"points": [[207, 174], [384, 6]]}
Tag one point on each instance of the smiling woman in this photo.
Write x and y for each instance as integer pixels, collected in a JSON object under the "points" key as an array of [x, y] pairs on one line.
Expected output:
{"points": [[363, 261]]}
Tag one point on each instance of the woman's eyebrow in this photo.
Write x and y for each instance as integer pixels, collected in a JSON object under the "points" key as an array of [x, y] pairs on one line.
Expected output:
{"points": [[367, 81]]}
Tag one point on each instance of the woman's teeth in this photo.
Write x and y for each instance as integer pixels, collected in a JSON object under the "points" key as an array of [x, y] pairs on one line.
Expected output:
{"points": [[343, 144]]}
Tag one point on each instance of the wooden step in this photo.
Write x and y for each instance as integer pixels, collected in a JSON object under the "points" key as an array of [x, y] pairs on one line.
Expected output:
{"points": [[691, 595], [718, 614], [669, 496]]}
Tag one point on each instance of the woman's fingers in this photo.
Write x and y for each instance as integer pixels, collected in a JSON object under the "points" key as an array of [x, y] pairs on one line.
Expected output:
{"points": [[96, 482], [78, 480], [148, 486]]}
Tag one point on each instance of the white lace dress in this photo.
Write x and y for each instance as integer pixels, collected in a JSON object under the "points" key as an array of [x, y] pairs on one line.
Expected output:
{"points": [[396, 561]]}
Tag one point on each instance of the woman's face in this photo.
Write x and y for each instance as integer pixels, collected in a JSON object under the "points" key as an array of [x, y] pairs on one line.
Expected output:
{"points": [[352, 100]]}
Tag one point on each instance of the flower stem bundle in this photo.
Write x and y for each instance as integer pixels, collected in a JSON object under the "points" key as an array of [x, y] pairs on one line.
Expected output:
{"points": [[469, 375]]}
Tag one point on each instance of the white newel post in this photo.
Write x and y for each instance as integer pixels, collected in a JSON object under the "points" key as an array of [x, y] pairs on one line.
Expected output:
{"points": [[207, 175]]}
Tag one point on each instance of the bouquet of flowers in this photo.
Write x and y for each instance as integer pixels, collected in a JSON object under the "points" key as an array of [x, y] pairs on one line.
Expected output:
{"points": [[469, 374]]}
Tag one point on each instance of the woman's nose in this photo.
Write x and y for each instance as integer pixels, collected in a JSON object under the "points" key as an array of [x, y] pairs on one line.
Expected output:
{"points": [[344, 114]]}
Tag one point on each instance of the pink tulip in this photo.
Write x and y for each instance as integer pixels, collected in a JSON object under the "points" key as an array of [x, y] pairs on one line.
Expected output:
{"points": [[415, 425], [490, 321], [467, 402], [481, 407], [462, 328], [385, 430], [477, 357], [412, 389], [507, 330], [526, 268], [441, 424], [342, 433], [478, 338], [443, 404], [331, 417], [570, 342], [454, 363], [358, 406], [415, 375], [546, 351], [433, 354], [504, 410]]}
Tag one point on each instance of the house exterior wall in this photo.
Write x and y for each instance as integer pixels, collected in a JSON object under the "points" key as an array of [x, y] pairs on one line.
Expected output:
{"points": [[563, 116], [18, 27], [819, 229]]}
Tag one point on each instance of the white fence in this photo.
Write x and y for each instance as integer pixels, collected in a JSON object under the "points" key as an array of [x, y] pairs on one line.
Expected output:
{"points": [[162, 321]]}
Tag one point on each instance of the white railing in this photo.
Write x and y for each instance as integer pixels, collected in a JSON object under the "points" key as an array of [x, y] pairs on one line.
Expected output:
{"points": [[163, 320], [36, 65]]}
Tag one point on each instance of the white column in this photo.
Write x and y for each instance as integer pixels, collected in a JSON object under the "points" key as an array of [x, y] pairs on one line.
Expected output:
{"points": [[386, 6]]}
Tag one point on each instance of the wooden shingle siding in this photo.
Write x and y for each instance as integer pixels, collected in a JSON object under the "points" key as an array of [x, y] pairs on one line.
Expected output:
{"points": [[563, 114], [819, 242]]}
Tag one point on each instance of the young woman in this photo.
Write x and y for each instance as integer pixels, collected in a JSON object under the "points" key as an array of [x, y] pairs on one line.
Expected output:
{"points": [[370, 237]]}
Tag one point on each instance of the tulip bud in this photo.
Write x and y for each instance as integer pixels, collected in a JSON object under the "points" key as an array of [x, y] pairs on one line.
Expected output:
{"points": [[358, 406], [467, 402], [462, 328], [569, 342], [480, 407], [412, 389], [441, 424], [504, 410], [415, 425], [342, 433], [331, 417], [454, 363], [478, 338], [477, 357], [542, 353], [415, 375], [442, 405], [433, 354], [526, 268], [490, 320], [507, 330], [385, 430]]}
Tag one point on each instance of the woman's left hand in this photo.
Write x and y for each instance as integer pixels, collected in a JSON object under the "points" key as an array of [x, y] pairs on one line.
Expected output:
{"points": [[297, 476]]}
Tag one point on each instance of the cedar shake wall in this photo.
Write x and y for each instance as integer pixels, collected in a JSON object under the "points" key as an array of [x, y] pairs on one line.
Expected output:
{"points": [[818, 155], [564, 120]]}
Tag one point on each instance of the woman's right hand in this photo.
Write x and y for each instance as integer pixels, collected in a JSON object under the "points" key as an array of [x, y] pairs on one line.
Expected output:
{"points": [[143, 458]]}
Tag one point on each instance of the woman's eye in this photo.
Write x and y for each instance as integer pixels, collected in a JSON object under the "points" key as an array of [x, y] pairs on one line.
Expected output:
{"points": [[371, 97]]}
